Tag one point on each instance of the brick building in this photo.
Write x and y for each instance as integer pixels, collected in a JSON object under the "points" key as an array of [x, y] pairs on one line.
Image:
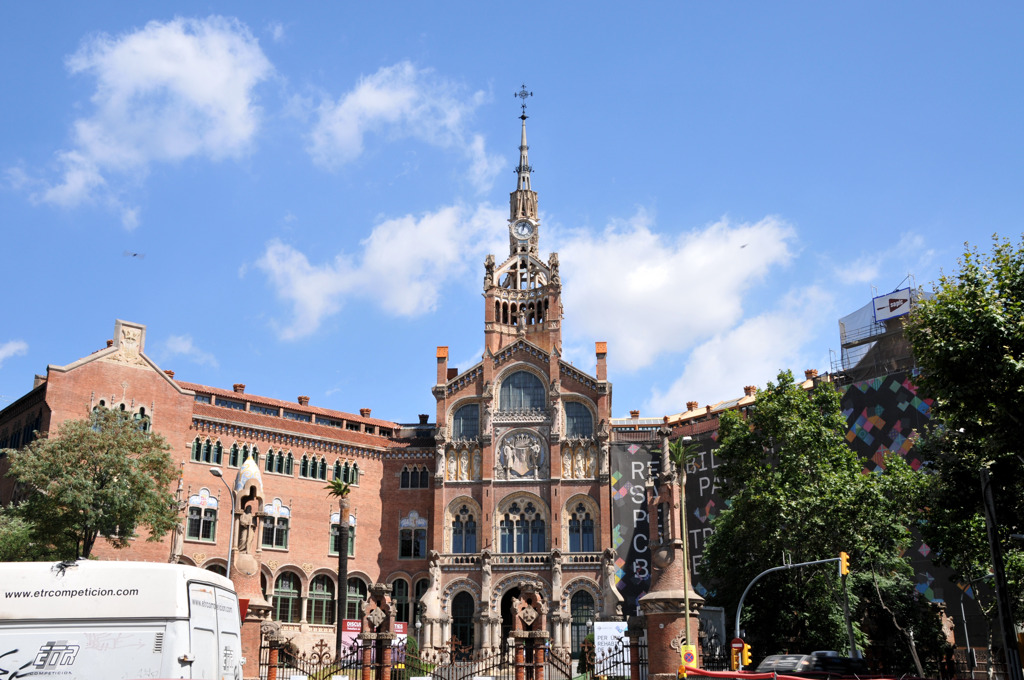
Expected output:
{"points": [[509, 486]]}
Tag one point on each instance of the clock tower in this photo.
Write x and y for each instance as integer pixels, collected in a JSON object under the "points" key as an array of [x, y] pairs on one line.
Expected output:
{"points": [[523, 294]]}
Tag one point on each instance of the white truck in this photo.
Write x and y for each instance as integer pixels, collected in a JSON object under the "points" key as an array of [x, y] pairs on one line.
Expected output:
{"points": [[112, 620]]}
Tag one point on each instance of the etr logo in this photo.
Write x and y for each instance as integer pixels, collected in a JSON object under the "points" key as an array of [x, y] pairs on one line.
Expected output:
{"points": [[55, 653]]}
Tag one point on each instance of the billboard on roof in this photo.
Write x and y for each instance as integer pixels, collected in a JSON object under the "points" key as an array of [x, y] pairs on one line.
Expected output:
{"points": [[891, 305]]}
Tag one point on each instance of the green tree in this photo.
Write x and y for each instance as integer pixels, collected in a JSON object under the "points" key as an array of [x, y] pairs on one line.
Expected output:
{"points": [[968, 339], [797, 493], [16, 542], [98, 477]]}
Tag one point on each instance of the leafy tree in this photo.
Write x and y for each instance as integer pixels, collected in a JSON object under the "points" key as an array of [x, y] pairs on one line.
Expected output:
{"points": [[16, 543], [968, 340], [98, 477], [797, 493]]}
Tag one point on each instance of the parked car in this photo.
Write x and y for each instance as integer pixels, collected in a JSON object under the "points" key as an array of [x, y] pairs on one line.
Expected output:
{"points": [[781, 663]]}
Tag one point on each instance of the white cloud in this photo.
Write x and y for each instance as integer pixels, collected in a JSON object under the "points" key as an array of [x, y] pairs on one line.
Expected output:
{"points": [[12, 348], [276, 31], [182, 345], [164, 93], [402, 101], [750, 353], [668, 293], [884, 267], [402, 266]]}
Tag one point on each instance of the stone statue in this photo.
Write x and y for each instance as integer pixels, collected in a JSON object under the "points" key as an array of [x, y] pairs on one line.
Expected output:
{"points": [[485, 574], [488, 414], [603, 429], [667, 469], [453, 470], [489, 272], [556, 575], [177, 542], [579, 464], [606, 450], [610, 595], [591, 461], [478, 463], [534, 461], [566, 464], [440, 461], [553, 266], [464, 465], [246, 526]]}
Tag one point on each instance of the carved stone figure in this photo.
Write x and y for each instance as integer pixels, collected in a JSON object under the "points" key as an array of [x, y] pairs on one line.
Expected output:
{"points": [[464, 465], [452, 468], [606, 450], [579, 471], [603, 429], [610, 595], [246, 524], [566, 464], [489, 272], [556, 575], [553, 266], [488, 414], [485, 574], [591, 461], [440, 461], [478, 463]]}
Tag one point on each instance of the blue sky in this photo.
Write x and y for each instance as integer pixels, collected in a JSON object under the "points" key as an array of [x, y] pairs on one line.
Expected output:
{"points": [[314, 187]]}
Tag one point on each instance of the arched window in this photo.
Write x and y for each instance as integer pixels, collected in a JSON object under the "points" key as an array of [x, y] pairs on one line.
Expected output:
{"points": [[463, 611], [521, 391], [197, 449], [581, 607], [289, 461], [353, 476], [356, 596], [322, 470], [412, 536], [233, 456], [466, 422], [581, 530], [218, 452], [217, 569], [424, 478], [286, 598], [270, 461], [464, 531], [202, 517], [578, 420], [522, 530], [304, 467], [275, 525], [320, 605], [400, 599]]}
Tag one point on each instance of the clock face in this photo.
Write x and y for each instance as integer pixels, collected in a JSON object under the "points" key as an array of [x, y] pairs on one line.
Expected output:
{"points": [[523, 229]]}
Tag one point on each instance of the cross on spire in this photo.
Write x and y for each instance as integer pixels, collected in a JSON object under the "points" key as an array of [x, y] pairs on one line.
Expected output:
{"points": [[523, 94]]}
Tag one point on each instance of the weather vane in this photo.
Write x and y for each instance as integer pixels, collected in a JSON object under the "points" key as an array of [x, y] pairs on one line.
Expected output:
{"points": [[523, 94]]}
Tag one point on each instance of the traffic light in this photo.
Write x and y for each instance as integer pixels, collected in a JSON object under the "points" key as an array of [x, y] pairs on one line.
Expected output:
{"points": [[681, 673], [734, 659], [746, 655], [844, 564]]}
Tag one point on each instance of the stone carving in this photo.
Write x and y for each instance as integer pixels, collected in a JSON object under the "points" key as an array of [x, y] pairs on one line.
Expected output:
{"points": [[129, 347], [578, 467], [553, 266], [246, 531], [485, 574], [522, 455], [610, 595], [478, 463], [591, 461], [489, 272], [376, 617], [440, 461], [605, 455], [464, 465], [453, 471], [556, 575], [566, 463]]}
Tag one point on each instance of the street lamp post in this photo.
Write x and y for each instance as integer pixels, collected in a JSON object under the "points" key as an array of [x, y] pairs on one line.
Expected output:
{"points": [[217, 472]]}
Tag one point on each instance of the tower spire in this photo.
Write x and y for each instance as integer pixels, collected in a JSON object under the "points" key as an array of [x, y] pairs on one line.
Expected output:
{"points": [[523, 204], [523, 169]]}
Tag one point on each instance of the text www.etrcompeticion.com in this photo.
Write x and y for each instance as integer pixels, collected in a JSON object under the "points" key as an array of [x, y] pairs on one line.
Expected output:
{"points": [[69, 593]]}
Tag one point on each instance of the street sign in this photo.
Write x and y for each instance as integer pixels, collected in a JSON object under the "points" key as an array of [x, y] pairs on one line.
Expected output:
{"points": [[737, 643]]}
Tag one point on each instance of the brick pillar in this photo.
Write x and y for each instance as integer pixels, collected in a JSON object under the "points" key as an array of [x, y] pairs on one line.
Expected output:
{"points": [[367, 660], [520, 660]]}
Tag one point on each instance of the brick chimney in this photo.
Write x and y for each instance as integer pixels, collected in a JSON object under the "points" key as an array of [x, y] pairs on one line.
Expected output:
{"points": [[635, 415], [601, 350], [442, 365], [811, 373], [424, 419], [452, 372], [170, 373], [303, 401], [239, 388], [692, 405], [750, 390], [364, 412]]}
